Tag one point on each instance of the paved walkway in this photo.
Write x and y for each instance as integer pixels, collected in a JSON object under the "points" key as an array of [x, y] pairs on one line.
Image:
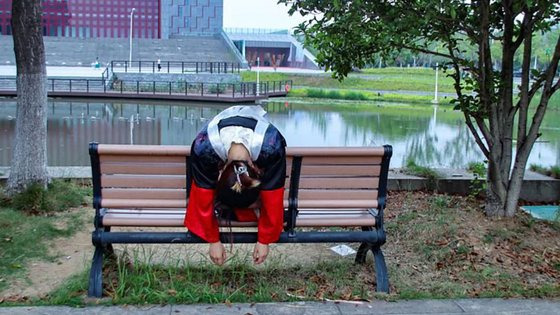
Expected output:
{"points": [[466, 306]]}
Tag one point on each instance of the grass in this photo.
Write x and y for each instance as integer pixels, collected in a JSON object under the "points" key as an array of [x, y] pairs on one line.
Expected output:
{"points": [[385, 79], [553, 171], [30, 220], [359, 95], [452, 256], [440, 247], [133, 278], [430, 174], [59, 196], [24, 238]]}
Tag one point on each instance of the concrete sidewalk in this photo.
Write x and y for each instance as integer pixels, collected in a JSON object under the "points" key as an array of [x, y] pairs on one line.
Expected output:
{"points": [[465, 306]]}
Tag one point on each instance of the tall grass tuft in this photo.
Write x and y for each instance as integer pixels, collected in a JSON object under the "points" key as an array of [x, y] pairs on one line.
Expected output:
{"points": [[422, 171], [58, 196]]}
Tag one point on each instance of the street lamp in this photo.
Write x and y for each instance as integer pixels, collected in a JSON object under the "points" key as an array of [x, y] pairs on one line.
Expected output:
{"points": [[130, 53], [435, 100], [258, 72]]}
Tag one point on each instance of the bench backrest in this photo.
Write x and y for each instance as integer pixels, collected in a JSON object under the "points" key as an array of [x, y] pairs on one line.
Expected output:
{"points": [[155, 177]]}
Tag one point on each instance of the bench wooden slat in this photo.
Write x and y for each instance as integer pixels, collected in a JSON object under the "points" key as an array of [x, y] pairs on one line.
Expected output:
{"points": [[335, 220], [157, 220], [335, 194], [335, 151], [141, 158], [338, 160], [326, 203], [144, 168], [139, 193], [340, 170], [315, 194], [342, 182], [123, 149], [182, 203], [171, 218], [144, 203], [136, 149], [143, 181]]}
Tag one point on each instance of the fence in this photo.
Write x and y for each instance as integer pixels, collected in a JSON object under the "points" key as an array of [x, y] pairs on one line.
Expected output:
{"points": [[174, 66], [177, 88]]}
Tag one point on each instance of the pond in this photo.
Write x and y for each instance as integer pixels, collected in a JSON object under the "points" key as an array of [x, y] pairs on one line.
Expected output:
{"points": [[430, 135]]}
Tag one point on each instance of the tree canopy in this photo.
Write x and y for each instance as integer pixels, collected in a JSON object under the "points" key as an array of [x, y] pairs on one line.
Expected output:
{"points": [[479, 41]]}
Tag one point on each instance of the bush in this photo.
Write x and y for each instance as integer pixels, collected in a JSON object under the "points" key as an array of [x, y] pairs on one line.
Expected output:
{"points": [[422, 171], [59, 196], [477, 168], [4, 199], [478, 184], [217, 88]]}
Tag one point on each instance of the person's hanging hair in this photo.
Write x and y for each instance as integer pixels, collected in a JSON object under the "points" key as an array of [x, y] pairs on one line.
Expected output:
{"points": [[238, 185]]}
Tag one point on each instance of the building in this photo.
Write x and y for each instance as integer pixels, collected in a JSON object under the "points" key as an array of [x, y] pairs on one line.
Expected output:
{"points": [[159, 29], [161, 19], [273, 48]]}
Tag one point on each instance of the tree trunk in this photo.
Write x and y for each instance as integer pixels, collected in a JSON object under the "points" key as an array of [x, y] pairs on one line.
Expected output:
{"points": [[496, 192], [29, 159]]}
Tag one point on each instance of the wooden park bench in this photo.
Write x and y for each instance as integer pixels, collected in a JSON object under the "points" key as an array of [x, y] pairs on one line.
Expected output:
{"points": [[138, 186]]}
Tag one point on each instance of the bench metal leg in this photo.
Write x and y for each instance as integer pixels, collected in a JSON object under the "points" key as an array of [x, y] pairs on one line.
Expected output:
{"points": [[96, 274], [362, 253], [108, 248], [381, 274]]}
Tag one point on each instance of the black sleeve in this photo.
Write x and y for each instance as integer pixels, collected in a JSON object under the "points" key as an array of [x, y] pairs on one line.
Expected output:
{"points": [[205, 163], [272, 160]]}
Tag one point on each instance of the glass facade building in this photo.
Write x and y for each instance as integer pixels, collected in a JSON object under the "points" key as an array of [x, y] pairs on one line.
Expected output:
{"points": [[111, 18], [93, 18]]}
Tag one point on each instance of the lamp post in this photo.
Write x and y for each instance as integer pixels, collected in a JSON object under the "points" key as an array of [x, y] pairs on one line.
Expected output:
{"points": [[130, 37], [435, 100], [258, 74]]}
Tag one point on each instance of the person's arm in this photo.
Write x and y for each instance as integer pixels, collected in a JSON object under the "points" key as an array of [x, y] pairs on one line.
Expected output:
{"points": [[272, 161], [200, 218], [271, 219]]}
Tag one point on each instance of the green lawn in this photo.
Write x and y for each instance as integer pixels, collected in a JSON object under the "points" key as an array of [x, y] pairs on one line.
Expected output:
{"points": [[385, 79], [31, 220]]}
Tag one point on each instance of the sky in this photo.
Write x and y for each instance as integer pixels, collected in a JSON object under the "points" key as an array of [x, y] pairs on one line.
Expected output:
{"points": [[258, 14]]}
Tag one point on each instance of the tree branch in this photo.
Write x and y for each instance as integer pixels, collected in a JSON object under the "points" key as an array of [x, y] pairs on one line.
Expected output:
{"points": [[548, 90], [477, 137], [523, 103]]}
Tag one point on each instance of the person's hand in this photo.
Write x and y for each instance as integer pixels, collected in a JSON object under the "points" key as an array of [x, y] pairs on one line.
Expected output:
{"points": [[259, 253], [217, 253]]}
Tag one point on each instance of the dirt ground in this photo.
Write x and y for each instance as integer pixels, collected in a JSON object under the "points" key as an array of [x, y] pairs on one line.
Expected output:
{"points": [[74, 254], [456, 245]]}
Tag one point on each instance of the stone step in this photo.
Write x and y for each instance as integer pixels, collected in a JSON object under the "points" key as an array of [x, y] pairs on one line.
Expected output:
{"points": [[83, 52]]}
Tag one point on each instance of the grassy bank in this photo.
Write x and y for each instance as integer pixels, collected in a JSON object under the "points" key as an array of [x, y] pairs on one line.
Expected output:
{"points": [[364, 85], [438, 246], [386, 79], [353, 95]]}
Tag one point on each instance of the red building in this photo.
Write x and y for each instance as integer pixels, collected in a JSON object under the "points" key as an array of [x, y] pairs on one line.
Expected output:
{"points": [[93, 18]]}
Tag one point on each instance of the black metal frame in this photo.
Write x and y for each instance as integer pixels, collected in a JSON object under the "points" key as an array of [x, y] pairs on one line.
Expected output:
{"points": [[371, 238]]}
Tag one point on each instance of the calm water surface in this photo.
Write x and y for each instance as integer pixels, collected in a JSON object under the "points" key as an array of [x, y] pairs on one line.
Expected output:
{"points": [[432, 136]]}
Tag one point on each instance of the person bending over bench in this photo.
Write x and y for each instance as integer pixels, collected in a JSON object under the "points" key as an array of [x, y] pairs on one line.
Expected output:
{"points": [[238, 164]]}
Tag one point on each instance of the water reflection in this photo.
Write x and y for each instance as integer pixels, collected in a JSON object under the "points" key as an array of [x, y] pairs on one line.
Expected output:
{"points": [[431, 136]]}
